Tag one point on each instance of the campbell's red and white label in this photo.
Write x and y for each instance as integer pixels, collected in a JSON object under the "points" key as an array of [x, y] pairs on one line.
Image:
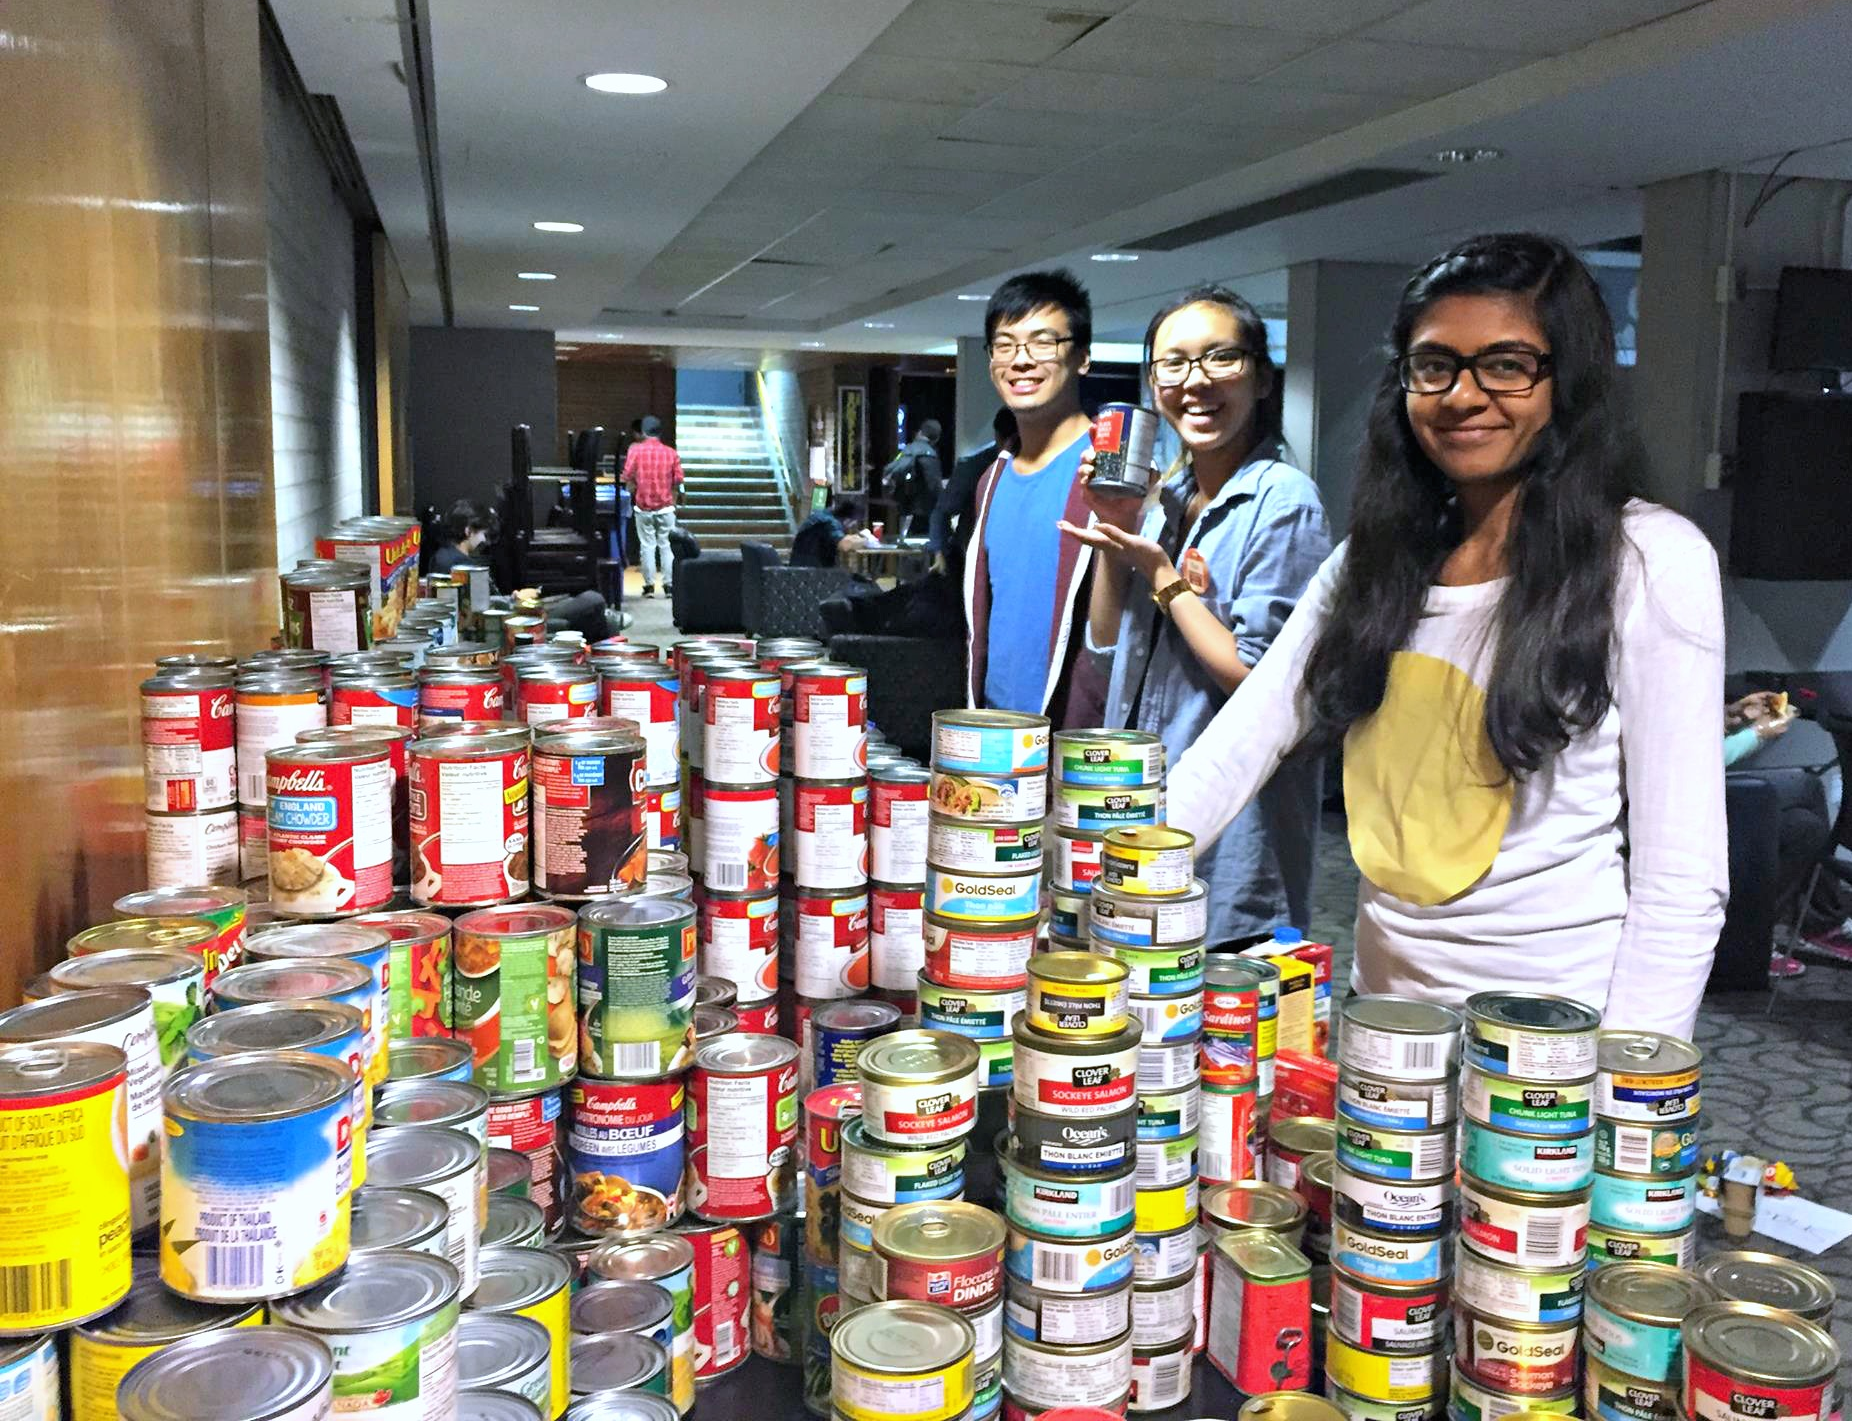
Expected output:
{"points": [[739, 943], [722, 1297], [832, 944], [739, 744], [831, 829], [651, 704], [735, 846], [742, 1137], [539, 701], [530, 1125], [185, 849], [899, 818], [469, 828], [958, 956], [758, 1018], [189, 753], [479, 700], [829, 725], [662, 818], [329, 827], [896, 937], [373, 705]]}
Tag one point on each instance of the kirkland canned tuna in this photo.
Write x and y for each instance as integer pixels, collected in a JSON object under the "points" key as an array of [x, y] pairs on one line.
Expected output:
{"points": [[1067, 1205], [1553, 1164], [1649, 1204]]}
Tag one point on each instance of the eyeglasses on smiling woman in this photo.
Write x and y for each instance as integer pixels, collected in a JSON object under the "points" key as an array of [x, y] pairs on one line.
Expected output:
{"points": [[1169, 371], [1497, 372]]}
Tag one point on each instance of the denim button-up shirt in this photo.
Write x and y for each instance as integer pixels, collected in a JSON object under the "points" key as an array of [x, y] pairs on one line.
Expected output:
{"points": [[1262, 537]]}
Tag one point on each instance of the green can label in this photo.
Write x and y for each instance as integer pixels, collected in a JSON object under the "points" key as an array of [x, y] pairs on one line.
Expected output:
{"points": [[636, 998]]}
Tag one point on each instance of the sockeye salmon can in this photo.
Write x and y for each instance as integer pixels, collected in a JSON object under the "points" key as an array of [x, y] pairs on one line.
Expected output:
{"points": [[1078, 994], [1632, 1316], [1551, 1164], [220, 905], [988, 742], [637, 960], [1110, 758], [149, 1320], [896, 937], [982, 956], [899, 817], [588, 791], [1393, 1207], [1389, 1258], [1075, 1077], [837, 1033], [1523, 1228], [919, 1087], [829, 939], [513, 991], [189, 756], [738, 938], [1644, 1203], [1609, 1394], [391, 1320], [398, 1219], [1745, 1361], [1169, 1019], [1399, 1038], [1529, 1107], [1150, 861], [1531, 1035], [1065, 1319], [742, 1128], [830, 827], [829, 721], [948, 1253], [902, 1361], [63, 1165], [1039, 1377], [1468, 1400], [1525, 1358], [237, 1374], [1068, 1205], [1608, 1245], [200, 848], [123, 1018], [256, 1176], [1069, 1266], [1663, 1150], [1075, 865], [427, 1058], [1646, 1079], [418, 987], [884, 1173], [469, 815], [1509, 1294], [1394, 1318]]}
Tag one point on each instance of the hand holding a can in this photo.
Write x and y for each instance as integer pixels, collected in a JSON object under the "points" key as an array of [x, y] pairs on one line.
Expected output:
{"points": [[1126, 548]]}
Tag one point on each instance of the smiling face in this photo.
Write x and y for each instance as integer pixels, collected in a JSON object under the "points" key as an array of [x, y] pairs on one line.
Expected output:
{"points": [[1029, 384], [1207, 414], [1473, 437]]}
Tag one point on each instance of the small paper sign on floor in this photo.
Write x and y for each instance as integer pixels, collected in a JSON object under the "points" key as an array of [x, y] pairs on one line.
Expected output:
{"points": [[1797, 1222]]}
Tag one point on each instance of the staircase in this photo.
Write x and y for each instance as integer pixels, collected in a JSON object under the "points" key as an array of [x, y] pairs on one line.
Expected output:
{"points": [[734, 493]]}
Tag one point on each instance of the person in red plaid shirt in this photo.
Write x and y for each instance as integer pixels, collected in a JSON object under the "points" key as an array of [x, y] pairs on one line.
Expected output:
{"points": [[653, 470]]}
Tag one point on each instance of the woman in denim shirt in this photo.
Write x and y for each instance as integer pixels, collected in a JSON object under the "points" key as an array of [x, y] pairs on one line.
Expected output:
{"points": [[1196, 582]]}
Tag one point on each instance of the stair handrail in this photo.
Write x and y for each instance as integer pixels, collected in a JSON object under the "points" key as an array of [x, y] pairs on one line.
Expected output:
{"points": [[797, 492]]}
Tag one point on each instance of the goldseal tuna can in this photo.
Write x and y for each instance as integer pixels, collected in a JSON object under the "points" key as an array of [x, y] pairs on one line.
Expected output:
{"points": [[1172, 1018], [1069, 1265], [989, 742], [983, 898], [1387, 1258]]}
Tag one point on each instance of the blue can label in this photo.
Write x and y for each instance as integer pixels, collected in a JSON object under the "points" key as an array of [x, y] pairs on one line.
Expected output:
{"points": [[1557, 1165], [1392, 1260], [985, 898], [1070, 1266], [624, 1153], [1639, 1349], [1069, 1208], [988, 749], [1175, 1018], [1646, 1205]]}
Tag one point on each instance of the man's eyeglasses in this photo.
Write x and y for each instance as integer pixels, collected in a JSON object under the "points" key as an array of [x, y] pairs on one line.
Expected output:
{"points": [[1498, 372], [1041, 346], [1169, 371]]}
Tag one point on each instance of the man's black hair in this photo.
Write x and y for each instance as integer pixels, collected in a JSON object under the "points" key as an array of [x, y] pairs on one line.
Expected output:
{"points": [[929, 431], [1022, 295], [847, 510], [651, 426], [464, 515], [1003, 424]]}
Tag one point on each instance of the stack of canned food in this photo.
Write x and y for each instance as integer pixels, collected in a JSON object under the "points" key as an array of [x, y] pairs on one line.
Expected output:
{"points": [[1646, 1105], [828, 1111], [950, 1254], [1241, 1006], [1263, 1325], [1102, 780], [1393, 1205]]}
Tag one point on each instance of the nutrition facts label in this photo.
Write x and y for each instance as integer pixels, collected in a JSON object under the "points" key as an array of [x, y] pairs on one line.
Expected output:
{"points": [[738, 1111], [471, 796], [334, 621]]}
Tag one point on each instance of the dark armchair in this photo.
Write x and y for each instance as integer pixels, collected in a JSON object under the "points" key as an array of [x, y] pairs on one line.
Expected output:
{"points": [[776, 600], [707, 586], [908, 679]]}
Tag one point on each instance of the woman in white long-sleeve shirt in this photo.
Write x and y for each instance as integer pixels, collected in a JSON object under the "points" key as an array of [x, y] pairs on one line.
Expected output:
{"points": [[1524, 664]]}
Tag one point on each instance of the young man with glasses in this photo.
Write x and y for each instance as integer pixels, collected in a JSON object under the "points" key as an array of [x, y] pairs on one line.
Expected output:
{"points": [[1024, 581]]}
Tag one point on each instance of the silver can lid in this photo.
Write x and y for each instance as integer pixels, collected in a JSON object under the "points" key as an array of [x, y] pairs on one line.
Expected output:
{"points": [[69, 1013], [240, 1374], [654, 1256], [373, 1292], [495, 1406], [250, 1089], [316, 940], [419, 1154], [385, 1217], [635, 912], [446, 1104], [513, 1222], [516, 1278], [272, 1026], [153, 1315], [621, 1305], [497, 1348], [743, 1053], [623, 1406], [608, 1361], [1407, 1016], [294, 979], [54, 1067]]}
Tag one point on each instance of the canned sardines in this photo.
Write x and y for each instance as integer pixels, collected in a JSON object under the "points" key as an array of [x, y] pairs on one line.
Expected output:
{"points": [[902, 1361], [1531, 1036], [1633, 1314], [1399, 1039], [1646, 1079], [1148, 861], [988, 742]]}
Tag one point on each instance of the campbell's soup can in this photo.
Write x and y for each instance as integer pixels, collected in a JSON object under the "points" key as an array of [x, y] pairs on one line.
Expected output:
{"points": [[740, 726], [189, 751], [469, 815], [899, 813], [588, 812], [646, 692], [625, 1154], [328, 822], [830, 938], [531, 1125], [739, 941], [742, 1128], [722, 1296], [555, 692], [272, 708], [829, 721], [662, 818], [373, 698], [734, 838], [896, 937], [831, 832], [460, 693], [195, 848]]}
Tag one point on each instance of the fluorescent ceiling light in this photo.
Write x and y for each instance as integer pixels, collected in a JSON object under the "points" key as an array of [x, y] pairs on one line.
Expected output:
{"points": [[1116, 352], [565, 347], [811, 344], [536, 276], [626, 83], [559, 226], [1115, 256], [973, 295], [523, 308], [610, 335], [878, 325], [1469, 155]]}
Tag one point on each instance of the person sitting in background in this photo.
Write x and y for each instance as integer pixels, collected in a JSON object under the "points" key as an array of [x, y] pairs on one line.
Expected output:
{"points": [[1801, 828], [468, 530], [913, 479], [827, 534]]}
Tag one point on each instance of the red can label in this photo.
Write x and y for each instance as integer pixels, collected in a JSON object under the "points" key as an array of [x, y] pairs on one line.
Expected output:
{"points": [[530, 1126], [1260, 1332], [739, 943], [896, 937], [829, 724], [1711, 1395], [831, 944], [722, 1295], [758, 1018], [651, 704], [1231, 1022], [962, 1283], [479, 700], [662, 818], [738, 840], [742, 1142], [540, 701], [832, 834], [826, 1110], [965, 957], [1402, 1321], [372, 705], [189, 754], [1077, 862], [739, 743], [1498, 1355], [899, 817], [329, 827], [1228, 1137], [588, 822], [469, 829]]}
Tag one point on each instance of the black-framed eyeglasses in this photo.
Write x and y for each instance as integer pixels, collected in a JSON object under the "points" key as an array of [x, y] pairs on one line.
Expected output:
{"points": [[1169, 371], [1041, 346], [1497, 372]]}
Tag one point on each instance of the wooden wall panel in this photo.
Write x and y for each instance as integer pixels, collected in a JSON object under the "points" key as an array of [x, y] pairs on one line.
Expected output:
{"points": [[612, 393], [134, 419]]}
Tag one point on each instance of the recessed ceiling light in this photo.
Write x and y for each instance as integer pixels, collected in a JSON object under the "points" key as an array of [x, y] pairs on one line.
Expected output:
{"points": [[1469, 155], [536, 276], [626, 83], [559, 226], [973, 295], [523, 308], [565, 347], [878, 325], [610, 335], [1115, 256], [811, 344]]}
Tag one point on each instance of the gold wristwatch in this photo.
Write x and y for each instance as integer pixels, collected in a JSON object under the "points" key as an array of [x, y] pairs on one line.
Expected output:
{"points": [[1170, 594]]}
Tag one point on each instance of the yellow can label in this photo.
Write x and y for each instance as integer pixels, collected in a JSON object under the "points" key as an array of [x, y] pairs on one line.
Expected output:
{"points": [[1382, 1377], [554, 1314], [97, 1368], [925, 1396], [1162, 1211], [64, 1206]]}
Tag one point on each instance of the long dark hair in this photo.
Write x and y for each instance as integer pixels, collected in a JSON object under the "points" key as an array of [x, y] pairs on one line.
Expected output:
{"points": [[1268, 409], [1555, 620]]}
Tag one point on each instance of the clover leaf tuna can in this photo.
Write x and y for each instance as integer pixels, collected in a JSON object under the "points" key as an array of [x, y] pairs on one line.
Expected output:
{"points": [[919, 1087], [742, 1128], [513, 991], [256, 1176], [1744, 1361], [624, 1152], [637, 963], [390, 1319]]}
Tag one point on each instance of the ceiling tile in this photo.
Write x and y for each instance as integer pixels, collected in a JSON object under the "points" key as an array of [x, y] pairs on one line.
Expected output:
{"points": [[993, 232], [1304, 17], [1084, 7], [1042, 128], [1407, 71], [1169, 49], [980, 30], [839, 114], [1520, 26], [937, 81], [933, 182], [1107, 94], [1022, 160], [1289, 115], [1061, 198]]}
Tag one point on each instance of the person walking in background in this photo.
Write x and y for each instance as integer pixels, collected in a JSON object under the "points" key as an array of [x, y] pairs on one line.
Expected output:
{"points": [[913, 479], [1194, 583], [653, 470], [1024, 583]]}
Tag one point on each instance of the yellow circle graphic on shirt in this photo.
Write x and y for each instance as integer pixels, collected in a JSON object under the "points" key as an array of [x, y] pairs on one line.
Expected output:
{"points": [[1426, 796]]}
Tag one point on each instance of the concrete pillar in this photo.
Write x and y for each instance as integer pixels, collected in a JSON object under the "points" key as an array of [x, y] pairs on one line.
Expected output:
{"points": [[1336, 314], [976, 398]]}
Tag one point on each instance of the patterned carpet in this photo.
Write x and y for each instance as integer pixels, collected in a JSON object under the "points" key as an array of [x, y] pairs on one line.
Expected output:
{"points": [[1777, 1074]]}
